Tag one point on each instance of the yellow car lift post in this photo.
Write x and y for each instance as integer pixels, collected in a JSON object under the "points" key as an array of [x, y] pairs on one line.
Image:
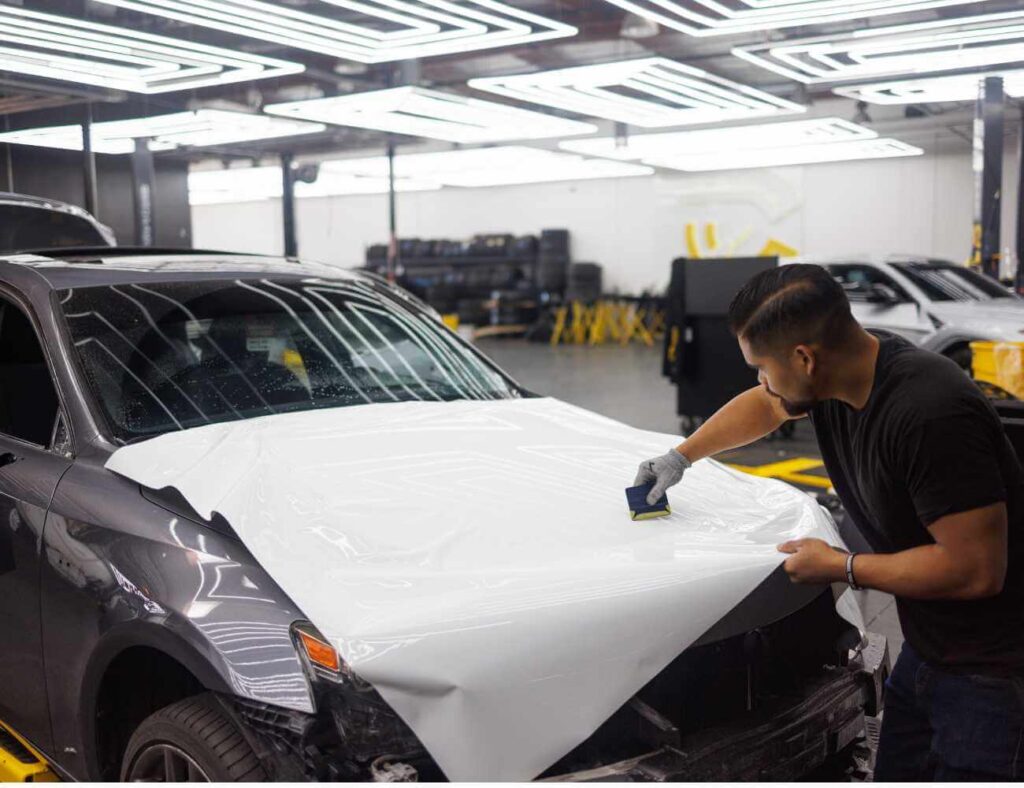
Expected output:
{"points": [[20, 762]]}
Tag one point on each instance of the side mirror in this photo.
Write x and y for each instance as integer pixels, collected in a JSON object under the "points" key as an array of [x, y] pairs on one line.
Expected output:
{"points": [[883, 295]]}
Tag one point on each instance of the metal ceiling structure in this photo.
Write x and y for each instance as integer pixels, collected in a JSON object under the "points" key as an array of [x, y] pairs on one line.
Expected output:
{"points": [[489, 41]]}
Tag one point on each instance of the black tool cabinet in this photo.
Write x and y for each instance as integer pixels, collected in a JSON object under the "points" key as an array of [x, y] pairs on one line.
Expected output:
{"points": [[701, 356]]}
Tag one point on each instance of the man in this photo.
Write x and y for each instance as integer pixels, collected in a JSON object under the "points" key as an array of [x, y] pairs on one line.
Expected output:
{"points": [[919, 458]]}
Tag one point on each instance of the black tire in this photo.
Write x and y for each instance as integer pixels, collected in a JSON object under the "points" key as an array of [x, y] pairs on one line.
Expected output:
{"points": [[197, 735], [962, 355]]}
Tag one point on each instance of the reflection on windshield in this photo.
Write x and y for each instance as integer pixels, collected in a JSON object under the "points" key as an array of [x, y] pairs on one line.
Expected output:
{"points": [[952, 282], [168, 356]]}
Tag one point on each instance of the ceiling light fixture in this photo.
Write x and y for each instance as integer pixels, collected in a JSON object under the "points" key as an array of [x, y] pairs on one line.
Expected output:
{"points": [[638, 27], [882, 148], [961, 87], [368, 31], [431, 114], [255, 184], [796, 133], [754, 145], [650, 93], [75, 50], [906, 50], [722, 17], [201, 128], [498, 166]]}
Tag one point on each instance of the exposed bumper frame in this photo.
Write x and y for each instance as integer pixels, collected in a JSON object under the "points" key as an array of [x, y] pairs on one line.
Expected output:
{"points": [[784, 747], [784, 743]]}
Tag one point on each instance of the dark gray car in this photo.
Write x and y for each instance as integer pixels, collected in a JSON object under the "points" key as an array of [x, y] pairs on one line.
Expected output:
{"points": [[28, 223], [107, 668]]}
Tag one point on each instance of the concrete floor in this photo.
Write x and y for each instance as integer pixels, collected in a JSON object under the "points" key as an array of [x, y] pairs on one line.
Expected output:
{"points": [[626, 384]]}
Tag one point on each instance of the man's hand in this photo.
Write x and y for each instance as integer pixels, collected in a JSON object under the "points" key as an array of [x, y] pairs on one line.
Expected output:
{"points": [[663, 471], [813, 561]]}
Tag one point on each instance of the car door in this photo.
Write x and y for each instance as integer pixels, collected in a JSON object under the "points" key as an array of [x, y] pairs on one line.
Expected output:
{"points": [[903, 317], [29, 472]]}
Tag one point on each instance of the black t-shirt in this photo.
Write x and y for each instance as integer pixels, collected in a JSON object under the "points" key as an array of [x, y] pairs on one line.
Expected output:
{"points": [[929, 444]]}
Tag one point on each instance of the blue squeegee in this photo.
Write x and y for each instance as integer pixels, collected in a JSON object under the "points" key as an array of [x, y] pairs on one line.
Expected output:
{"points": [[639, 509]]}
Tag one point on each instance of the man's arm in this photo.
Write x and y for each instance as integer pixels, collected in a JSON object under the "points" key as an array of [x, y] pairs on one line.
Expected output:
{"points": [[744, 419], [967, 561]]}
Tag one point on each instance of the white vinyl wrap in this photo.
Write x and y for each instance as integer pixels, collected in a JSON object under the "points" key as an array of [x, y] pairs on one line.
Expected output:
{"points": [[475, 561]]}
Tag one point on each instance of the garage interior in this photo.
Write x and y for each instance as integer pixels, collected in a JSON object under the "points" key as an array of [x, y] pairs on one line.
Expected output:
{"points": [[576, 187]]}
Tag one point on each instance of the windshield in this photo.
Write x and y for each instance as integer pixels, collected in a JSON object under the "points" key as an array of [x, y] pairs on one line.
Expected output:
{"points": [[168, 356], [948, 282], [23, 227]]}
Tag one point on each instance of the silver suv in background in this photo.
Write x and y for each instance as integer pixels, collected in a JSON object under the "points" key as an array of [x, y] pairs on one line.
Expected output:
{"points": [[35, 223], [937, 304]]}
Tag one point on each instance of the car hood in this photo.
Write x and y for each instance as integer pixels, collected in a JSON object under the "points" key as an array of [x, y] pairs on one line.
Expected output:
{"points": [[475, 561], [997, 319]]}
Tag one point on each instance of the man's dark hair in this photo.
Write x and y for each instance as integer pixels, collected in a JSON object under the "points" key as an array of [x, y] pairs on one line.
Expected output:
{"points": [[792, 305]]}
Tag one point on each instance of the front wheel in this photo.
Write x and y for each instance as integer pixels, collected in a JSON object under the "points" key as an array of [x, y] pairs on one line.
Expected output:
{"points": [[962, 355], [192, 740]]}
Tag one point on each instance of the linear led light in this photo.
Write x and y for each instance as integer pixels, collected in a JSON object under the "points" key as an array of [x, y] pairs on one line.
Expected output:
{"points": [[723, 17], [650, 92], [882, 148], [792, 133], [200, 128], [962, 87], [75, 50], [368, 31], [255, 184], [499, 166], [428, 113], [906, 50]]}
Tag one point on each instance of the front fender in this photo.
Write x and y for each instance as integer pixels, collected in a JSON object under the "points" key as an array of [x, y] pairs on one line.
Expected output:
{"points": [[115, 642], [119, 571], [947, 338]]}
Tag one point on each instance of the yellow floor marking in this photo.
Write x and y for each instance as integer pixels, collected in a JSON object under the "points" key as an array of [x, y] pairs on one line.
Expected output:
{"points": [[790, 471]]}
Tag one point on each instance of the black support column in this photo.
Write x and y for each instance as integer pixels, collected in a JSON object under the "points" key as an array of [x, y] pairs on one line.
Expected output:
{"points": [[143, 188], [1019, 283], [89, 162], [291, 242], [988, 175], [392, 216]]}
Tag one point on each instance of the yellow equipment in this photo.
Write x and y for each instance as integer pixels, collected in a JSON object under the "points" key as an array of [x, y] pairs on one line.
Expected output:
{"points": [[19, 761], [1001, 364], [608, 320]]}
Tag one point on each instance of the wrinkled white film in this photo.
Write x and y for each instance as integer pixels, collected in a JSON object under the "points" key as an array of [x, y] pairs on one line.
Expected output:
{"points": [[476, 562]]}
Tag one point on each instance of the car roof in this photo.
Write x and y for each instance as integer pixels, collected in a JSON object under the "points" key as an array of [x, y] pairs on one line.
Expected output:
{"points": [[31, 201], [873, 259], [67, 268]]}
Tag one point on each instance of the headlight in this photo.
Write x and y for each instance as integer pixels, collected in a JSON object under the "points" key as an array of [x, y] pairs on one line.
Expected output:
{"points": [[320, 656]]}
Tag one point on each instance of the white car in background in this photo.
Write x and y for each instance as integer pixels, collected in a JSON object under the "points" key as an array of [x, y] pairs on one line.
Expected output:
{"points": [[937, 304]]}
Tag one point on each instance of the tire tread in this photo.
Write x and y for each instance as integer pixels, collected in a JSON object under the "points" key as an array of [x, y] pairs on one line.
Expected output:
{"points": [[201, 718]]}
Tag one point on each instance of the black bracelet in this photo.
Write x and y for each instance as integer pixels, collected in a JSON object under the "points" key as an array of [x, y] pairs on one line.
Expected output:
{"points": [[850, 579]]}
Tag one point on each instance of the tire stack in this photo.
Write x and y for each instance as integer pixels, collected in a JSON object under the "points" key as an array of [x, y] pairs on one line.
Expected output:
{"points": [[585, 282], [553, 261]]}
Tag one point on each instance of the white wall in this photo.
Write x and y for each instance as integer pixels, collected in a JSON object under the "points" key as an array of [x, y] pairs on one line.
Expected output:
{"points": [[635, 227]]}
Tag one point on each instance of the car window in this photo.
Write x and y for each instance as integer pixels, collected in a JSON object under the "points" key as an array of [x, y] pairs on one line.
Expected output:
{"points": [[857, 280], [28, 398], [167, 356], [23, 227], [60, 443], [947, 282]]}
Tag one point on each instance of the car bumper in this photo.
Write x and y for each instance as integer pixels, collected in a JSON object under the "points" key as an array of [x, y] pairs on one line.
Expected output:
{"points": [[784, 743], [784, 740]]}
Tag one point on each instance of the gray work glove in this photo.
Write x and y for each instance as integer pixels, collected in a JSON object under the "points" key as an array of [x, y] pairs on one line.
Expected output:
{"points": [[664, 471]]}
